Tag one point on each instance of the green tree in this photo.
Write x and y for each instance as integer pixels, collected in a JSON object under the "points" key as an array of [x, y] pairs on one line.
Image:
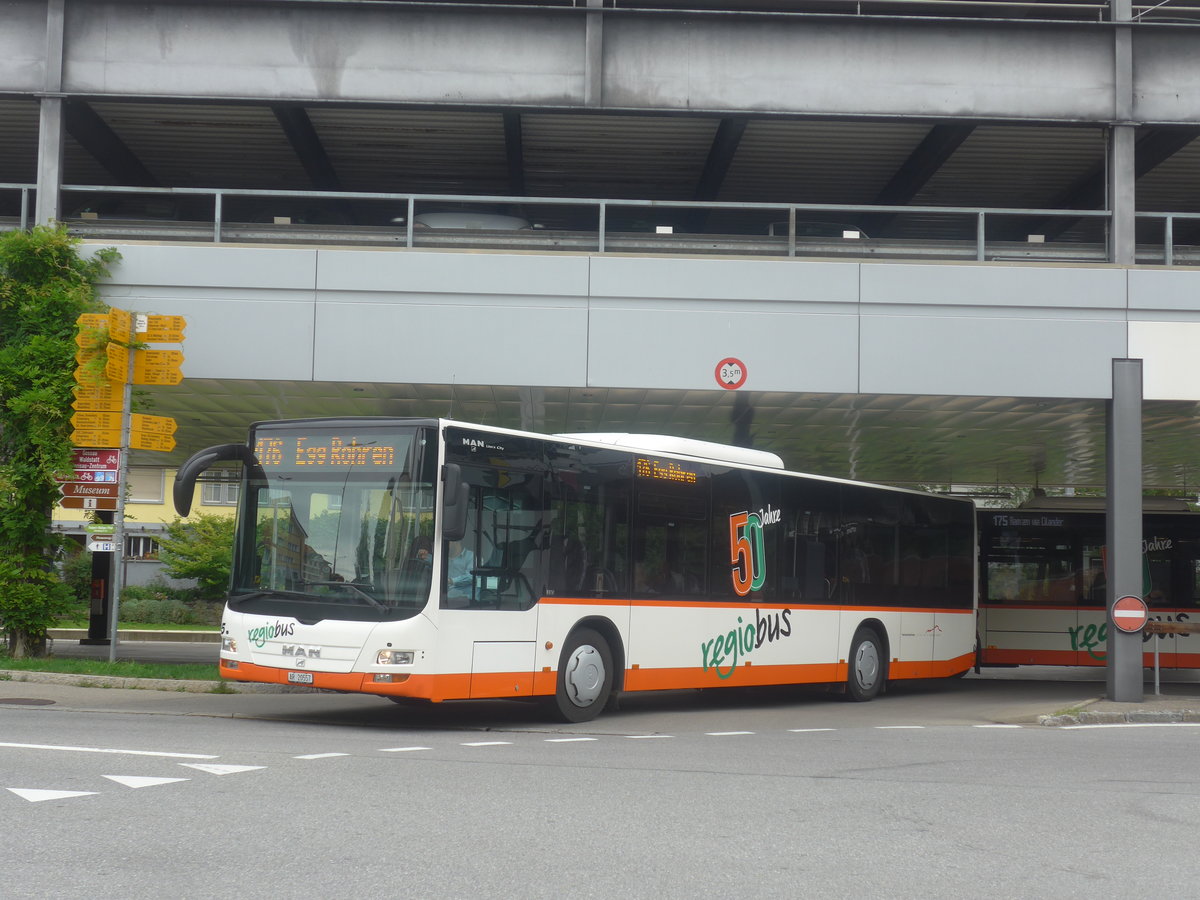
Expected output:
{"points": [[201, 548], [44, 286]]}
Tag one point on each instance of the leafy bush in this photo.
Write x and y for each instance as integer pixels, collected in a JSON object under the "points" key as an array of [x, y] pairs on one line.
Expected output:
{"points": [[158, 610], [160, 604], [44, 286], [201, 548], [76, 571]]}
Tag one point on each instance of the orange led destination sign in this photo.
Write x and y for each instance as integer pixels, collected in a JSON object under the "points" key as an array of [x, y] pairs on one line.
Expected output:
{"points": [[332, 451], [664, 471]]}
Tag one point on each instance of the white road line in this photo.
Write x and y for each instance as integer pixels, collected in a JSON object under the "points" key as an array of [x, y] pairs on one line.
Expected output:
{"points": [[1132, 725], [648, 737], [109, 750], [320, 755], [402, 749], [37, 796], [486, 744], [996, 726], [899, 727], [568, 740], [725, 733], [809, 730]]}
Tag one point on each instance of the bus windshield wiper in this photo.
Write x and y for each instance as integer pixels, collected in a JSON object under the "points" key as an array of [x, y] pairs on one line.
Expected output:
{"points": [[347, 584], [276, 593]]}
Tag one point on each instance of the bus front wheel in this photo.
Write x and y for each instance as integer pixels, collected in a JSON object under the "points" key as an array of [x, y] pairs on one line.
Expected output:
{"points": [[866, 672], [585, 676]]}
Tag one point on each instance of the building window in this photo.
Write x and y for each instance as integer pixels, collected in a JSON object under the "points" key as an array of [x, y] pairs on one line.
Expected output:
{"points": [[146, 485], [219, 493], [139, 546]]}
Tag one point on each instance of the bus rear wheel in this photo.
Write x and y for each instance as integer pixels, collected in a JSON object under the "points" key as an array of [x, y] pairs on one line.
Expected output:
{"points": [[866, 672], [585, 676]]}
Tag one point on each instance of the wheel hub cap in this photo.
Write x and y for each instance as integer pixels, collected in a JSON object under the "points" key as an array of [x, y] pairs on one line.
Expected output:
{"points": [[585, 675]]}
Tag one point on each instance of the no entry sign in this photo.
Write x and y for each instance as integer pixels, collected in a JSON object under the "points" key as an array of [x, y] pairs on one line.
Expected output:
{"points": [[1130, 614]]}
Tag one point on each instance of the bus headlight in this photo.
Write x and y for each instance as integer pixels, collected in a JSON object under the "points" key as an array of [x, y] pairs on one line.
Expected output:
{"points": [[228, 644], [394, 658]]}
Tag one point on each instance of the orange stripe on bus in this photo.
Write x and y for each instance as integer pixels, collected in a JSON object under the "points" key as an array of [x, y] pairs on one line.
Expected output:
{"points": [[936, 668], [734, 604]]}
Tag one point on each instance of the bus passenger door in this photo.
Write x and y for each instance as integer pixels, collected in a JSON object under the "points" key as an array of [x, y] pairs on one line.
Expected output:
{"points": [[489, 605]]}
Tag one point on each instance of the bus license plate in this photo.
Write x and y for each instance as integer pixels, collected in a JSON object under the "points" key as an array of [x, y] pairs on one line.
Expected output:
{"points": [[300, 677]]}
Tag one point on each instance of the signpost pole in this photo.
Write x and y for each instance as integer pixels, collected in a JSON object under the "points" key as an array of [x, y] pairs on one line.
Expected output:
{"points": [[1124, 527], [118, 569]]}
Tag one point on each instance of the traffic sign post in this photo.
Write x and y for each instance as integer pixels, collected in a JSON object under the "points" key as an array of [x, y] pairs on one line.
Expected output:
{"points": [[90, 489], [108, 504], [103, 419]]}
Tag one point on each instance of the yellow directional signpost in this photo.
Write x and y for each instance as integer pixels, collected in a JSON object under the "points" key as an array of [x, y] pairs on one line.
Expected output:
{"points": [[157, 367], [152, 433], [120, 325], [160, 329], [112, 357], [103, 396]]}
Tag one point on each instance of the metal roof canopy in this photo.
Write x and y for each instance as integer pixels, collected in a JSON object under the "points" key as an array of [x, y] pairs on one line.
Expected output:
{"points": [[583, 154]]}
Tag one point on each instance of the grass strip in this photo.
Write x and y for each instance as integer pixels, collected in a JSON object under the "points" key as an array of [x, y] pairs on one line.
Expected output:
{"points": [[138, 626], [119, 669]]}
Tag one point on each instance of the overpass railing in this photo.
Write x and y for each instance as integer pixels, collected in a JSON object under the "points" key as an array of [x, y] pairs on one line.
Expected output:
{"points": [[595, 225]]}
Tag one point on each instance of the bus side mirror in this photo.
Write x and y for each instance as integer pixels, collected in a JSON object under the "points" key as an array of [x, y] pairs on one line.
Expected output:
{"points": [[185, 479], [455, 493]]}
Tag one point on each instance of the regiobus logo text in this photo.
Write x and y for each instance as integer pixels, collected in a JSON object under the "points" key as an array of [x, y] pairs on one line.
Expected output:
{"points": [[748, 569]]}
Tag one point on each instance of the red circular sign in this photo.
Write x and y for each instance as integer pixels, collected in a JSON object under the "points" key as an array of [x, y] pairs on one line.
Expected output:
{"points": [[1130, 614], [731, 373]]}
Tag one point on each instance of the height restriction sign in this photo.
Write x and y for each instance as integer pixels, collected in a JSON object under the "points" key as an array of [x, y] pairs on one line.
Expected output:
{"points": [[731, 373]]}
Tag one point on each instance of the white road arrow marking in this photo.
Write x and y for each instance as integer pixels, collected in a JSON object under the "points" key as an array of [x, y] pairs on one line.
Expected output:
{"points": [[214, 769], [141, 781], [36, 796]]}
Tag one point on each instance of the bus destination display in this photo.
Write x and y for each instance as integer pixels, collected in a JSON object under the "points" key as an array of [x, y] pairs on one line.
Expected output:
{"points": [[333, 451], [664, 471]]}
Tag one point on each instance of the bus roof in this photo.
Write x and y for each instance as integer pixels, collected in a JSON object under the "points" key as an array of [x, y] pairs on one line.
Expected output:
{"points": [[665, 443]]}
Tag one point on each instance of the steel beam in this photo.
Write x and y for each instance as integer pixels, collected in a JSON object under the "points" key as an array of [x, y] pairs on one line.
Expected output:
{"points": [[711, 62], [306, 143], [96, 137], [922, 164]]}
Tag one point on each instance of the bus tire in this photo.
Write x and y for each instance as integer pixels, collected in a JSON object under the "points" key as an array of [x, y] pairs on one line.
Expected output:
{"points": [[585, 676], [867, 668]]}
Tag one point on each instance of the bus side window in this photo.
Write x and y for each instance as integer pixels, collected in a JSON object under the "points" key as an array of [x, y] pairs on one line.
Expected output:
{"points": [[505, 533], [807, 546], [588, 550]]}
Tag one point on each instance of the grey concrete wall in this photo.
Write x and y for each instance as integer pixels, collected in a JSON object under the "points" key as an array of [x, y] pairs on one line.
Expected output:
{"points": [[397, 316], [844, 66]]}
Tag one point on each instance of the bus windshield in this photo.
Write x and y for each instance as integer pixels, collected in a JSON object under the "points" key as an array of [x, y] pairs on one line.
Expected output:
{"points": [[337, 522]]}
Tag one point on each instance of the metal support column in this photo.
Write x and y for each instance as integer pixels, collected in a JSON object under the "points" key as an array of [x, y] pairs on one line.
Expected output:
{"points": [[1122, 136], [593, 54], [50, 119], [1124, 525]]}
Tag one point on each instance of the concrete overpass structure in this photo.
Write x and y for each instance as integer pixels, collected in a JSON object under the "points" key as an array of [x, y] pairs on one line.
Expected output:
{"points": [[1024, 181]]}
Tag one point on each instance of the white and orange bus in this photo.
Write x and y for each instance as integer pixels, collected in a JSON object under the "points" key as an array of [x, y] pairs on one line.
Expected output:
{"points": [[1043, 588], [426, 558]]}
